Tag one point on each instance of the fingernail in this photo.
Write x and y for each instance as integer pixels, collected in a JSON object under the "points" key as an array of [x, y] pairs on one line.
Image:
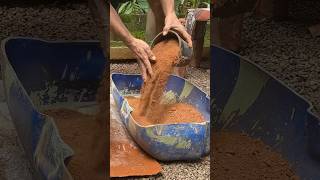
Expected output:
{"points": [[153, 58]]}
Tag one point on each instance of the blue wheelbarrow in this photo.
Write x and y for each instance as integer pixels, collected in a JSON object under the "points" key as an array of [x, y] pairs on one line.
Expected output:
{"points": [[38, 74], [166, 142], [245, 98]]}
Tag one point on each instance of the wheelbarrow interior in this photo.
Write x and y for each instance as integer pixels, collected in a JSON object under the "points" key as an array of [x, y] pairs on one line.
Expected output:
{"points": [[68, 69], [247, 99]]}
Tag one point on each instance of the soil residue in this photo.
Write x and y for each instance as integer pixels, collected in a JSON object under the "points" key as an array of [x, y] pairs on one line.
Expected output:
{"points": [[171, 113], [82, 133], [126, 159], [149, 110], [238, 156]]}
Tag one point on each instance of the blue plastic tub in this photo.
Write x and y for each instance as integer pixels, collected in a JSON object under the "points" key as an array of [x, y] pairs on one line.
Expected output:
{"points": [[247, 99], [166, 142], [37, 74]]}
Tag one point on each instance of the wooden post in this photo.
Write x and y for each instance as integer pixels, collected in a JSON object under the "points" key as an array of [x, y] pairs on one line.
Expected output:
{"points": [[198, 41]]}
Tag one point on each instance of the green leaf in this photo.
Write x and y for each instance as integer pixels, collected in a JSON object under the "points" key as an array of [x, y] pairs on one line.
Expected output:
{"points": [[123, 7], [129, 9], [143, 4]]}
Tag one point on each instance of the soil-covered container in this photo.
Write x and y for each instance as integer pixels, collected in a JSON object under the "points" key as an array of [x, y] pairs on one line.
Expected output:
{"points": [[38, 74], [185, 53], [247, 99], [166, 142]]}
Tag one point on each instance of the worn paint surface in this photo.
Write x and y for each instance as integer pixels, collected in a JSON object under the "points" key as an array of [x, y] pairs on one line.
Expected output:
{"points": [[247, 89]]}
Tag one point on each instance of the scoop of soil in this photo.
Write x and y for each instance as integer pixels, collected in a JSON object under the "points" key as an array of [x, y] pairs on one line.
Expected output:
{"points": [[238, 156]]}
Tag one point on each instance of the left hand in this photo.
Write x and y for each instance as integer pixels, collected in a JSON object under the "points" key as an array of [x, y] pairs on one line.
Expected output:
{"points": [[172, 22]]}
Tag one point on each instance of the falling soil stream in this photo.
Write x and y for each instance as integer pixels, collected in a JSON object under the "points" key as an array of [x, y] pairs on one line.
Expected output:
{"points": [[238, 156], [148, 109]]}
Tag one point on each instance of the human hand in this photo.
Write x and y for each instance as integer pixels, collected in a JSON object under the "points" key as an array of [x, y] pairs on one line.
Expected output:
{"points": [[172, 22], [144, 55]]}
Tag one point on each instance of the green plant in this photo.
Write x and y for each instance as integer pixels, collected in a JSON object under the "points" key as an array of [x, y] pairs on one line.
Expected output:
{"points": [[131, 7]]}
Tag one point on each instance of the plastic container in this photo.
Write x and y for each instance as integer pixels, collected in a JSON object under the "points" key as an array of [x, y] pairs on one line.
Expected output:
{"points": [[166, 142], [245, 98], [38, 74]]}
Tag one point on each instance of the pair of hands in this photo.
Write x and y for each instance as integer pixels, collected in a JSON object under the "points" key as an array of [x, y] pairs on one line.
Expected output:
{"points": [[143, 52]]}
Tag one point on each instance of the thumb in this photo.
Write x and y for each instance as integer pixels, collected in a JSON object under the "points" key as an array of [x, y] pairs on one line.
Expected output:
{"points": [[166, 30]]}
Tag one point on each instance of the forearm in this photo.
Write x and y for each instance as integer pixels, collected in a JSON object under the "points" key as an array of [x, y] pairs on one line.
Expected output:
{"points": [[168, 7], [118, 27]]}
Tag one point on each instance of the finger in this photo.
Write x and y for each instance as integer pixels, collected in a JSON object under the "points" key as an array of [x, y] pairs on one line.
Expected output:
{"points": [[146, 63], [166, 30], [185, 35], [143, 71], [150, 54], [149, 68]]}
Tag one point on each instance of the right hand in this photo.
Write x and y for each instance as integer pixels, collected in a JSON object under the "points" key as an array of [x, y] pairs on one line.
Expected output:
{"points": [[144, 55]]}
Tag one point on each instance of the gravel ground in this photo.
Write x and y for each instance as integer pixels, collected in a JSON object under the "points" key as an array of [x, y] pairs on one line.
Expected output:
{"points": [[287, 50], [71, 22]]}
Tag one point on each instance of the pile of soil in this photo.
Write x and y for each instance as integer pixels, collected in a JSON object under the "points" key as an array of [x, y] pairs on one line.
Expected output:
{"points": [[148, 109], [84, 134], [238, 156], [171, 113]]}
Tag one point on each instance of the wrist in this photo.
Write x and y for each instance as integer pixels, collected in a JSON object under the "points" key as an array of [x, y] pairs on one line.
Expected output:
{"points": [[129, 40], [171, 14]]}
